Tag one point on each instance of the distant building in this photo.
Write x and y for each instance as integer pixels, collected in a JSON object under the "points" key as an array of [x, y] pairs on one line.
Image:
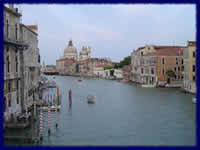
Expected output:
{"points": [[127, 72], [118, 73], [85, 53], [190, 67], [150, 65]]}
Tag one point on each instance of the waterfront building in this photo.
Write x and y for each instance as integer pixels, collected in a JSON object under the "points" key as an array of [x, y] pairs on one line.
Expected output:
{"points": [[99, 71], [118, 73], [70, 51], [190, 67], [82, 67], [127, 72], [31, 64], [151, 64], [13, 64], [94, 62], [60, 65]]}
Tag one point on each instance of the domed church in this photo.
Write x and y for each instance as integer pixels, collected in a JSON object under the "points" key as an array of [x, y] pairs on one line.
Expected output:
{"points": [[70, 51]]}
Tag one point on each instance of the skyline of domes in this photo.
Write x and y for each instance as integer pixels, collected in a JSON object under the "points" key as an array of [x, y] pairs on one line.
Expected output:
{"points": [[71, 52]]}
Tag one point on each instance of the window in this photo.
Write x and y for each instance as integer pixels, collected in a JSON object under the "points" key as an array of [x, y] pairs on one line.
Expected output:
{"points": [[141, 53], [163, 71], [193, 68], [182, 77], [17, 99], [178, 77], [9, 103], [176, 60], [38, 58], [178, 68], [182, 69], [163, 60], [194, 78], [174, 68], [175, 76], [7, 28], [194, 54], [142, 70], [16, 64], [182, 62], [17, 84], [16, 31], [152, 70], [8, 63], [9, 86]]}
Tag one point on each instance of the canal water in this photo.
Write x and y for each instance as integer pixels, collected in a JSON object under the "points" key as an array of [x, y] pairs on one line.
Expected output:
{"points": [[123, 114]]}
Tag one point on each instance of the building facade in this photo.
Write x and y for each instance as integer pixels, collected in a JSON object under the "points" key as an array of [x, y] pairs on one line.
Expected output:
{"points": [[190, 67], [13, 64], [31, 64], [151, 65]]}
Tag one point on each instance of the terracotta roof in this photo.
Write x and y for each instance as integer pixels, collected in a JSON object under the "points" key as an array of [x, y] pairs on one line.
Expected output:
{"points": [[191, 43], [33, 27], [101, 65], [64, 59], [167, 51]]}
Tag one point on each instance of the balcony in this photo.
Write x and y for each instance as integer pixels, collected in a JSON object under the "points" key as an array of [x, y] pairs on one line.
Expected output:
{"points": [[12, 37], [11, 75]]}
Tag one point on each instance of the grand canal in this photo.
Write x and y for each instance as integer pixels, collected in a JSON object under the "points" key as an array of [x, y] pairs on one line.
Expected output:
{"points": [[123, 114]]}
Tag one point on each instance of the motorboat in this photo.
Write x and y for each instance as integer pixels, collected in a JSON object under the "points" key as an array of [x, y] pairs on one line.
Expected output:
{"points": [[79, 80], [90, 99], [52, 108], [194, 100]]}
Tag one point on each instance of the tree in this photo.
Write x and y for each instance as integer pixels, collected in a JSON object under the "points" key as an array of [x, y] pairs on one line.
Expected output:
{"points": [[124, 62], [171, 73], [108, 67]]}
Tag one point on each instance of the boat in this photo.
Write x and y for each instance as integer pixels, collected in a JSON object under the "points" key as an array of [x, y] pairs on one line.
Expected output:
{"points": [[194, 99], [90, 99], [79, 80], [52, 108]]}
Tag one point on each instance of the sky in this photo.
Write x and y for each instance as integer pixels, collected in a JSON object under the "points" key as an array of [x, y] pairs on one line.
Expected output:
{"points": [[112, 31]]}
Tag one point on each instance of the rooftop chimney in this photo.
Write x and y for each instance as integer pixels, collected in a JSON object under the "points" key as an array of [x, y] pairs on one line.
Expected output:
{"points": [[11, 6]]}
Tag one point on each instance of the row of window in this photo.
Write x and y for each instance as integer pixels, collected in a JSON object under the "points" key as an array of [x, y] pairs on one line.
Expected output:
{"points": [[152, 70], [163, 61], [179, 68]]}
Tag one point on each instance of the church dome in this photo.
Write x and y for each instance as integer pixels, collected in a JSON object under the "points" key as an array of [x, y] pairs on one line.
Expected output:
{"points": [[70, 51], [84, 51]]}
